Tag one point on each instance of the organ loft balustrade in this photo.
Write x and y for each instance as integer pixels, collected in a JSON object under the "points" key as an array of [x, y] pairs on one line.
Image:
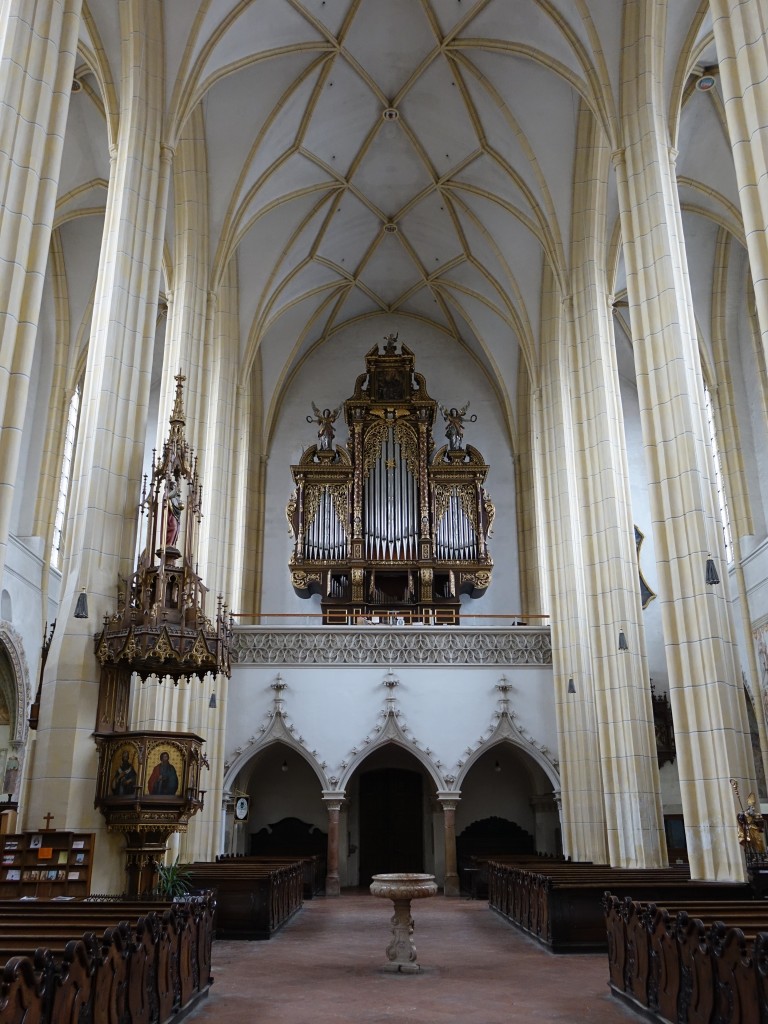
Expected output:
{"points": [[386, 528]]}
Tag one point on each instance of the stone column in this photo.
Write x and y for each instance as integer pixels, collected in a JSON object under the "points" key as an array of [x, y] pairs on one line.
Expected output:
{"points": [[526, 487], [34, 102], [449, 803], [203, 838], [108, 463], [249, 466], [741, 35], [583, 811], [190, 334], [222, 544], [629, 767], [546, 817], [706, 693], [731, 447], [226, 511], [333, 802]]}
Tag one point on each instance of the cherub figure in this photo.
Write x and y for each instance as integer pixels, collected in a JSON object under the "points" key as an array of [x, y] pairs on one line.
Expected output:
{"points": [[454, 429], [325, 421]]}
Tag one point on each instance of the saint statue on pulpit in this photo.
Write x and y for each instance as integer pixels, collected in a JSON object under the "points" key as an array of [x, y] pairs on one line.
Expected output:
{"points": [[175, 507]]}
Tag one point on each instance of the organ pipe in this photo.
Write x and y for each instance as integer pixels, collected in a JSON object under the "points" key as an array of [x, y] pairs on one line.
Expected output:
{"points": [[393, 519]]}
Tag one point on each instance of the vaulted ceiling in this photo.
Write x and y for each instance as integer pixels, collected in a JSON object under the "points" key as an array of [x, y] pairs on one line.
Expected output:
{"points": [[409, 156]]}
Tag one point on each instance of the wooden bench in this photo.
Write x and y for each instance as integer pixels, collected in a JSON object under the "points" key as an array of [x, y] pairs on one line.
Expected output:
{"points": [[484, 840], [313, 867], [690, 961], [562, 906], [253, 900], [474, 873], [27, 925], [120, 961]]}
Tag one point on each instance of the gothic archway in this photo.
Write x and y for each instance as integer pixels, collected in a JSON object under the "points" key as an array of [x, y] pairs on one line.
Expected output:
{"points": [[15, 695], [393, 822], [14, 682]]}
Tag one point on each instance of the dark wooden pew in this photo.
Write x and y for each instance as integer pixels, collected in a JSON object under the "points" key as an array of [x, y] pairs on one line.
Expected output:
{"points": [[562, 906], [690, 962], [484, 840], [313, 867], [121, 963], [253, 899]]}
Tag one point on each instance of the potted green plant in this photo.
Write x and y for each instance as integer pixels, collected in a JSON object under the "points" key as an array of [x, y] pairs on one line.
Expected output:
{"points": [[172, 879]]}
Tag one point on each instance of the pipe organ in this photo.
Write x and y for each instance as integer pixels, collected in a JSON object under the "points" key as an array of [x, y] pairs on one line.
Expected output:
{"points": [[386, 528]]}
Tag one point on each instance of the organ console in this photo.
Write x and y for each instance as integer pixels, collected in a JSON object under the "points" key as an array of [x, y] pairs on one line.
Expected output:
{"points": [[387, 529]]}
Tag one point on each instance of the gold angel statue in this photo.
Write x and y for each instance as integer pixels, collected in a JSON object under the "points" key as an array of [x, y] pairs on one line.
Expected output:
{"points": [[454, 430], [325, 420]]}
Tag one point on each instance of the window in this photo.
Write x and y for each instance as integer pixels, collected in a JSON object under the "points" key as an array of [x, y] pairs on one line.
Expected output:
{"points": [[64, 478], [724, 518]]}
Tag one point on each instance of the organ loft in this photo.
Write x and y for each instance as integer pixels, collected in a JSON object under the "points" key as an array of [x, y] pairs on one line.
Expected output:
{"points": [[388, 528]]}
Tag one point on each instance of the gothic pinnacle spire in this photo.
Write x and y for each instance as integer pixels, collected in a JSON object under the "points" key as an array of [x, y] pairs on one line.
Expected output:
{"points": [[177, 415]]}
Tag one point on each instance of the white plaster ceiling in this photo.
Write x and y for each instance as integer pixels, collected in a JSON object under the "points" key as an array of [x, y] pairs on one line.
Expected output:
{"points": [[447, 213]]}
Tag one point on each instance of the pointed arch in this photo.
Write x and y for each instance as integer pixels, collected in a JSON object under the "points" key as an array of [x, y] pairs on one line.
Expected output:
{"points": [[507, 731], [14, 682], [391, 733], [279, 731]]}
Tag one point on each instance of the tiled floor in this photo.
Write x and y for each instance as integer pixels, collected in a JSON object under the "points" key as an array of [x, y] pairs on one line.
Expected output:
{"points": [[324, 967]]}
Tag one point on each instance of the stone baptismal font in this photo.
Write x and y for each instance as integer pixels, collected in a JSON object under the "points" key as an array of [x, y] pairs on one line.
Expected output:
{"points": [[401, 889]]}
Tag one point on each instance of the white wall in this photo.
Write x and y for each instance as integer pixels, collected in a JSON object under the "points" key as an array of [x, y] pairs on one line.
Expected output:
{"points": [[22, 581], [336, 713], [446, 708]]}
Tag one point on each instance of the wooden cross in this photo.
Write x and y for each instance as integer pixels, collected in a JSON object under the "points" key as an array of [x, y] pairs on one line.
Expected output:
{"points": [[48, 818]]}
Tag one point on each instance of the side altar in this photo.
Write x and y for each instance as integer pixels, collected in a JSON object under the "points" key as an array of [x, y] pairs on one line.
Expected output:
{"points": [[386, 528]]}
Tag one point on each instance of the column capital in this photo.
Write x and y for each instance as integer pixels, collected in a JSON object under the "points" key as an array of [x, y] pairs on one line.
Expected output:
{"points": [[449, 799], [334, 799], [618, 158], [167, 152]]}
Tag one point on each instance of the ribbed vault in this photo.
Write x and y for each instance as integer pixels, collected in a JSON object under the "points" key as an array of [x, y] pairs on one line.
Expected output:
{"points": [[402, 157]]}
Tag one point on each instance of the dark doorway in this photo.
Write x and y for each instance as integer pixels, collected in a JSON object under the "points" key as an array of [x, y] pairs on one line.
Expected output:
{"points": [[391, 822]]}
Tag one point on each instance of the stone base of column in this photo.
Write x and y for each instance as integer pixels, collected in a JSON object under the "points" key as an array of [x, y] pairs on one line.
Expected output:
{"points": [[451, 886], [332, 886]]}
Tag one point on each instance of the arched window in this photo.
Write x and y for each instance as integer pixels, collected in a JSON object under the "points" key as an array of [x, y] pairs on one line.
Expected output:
{"points": [[724, 517], [70, 436]]}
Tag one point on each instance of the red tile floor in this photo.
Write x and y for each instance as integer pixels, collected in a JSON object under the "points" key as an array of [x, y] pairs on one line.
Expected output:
{"points": [[324, 967]]}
